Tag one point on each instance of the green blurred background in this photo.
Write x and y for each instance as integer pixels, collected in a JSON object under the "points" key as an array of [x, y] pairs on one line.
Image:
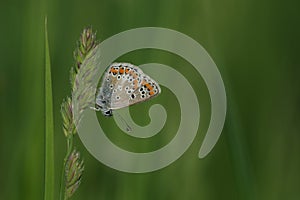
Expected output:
{"points": [[255, 45]]}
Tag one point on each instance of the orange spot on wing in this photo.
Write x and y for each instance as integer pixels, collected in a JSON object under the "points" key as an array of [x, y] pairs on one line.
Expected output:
{"points": [[121, 70], [149, 86], [112, 70]]}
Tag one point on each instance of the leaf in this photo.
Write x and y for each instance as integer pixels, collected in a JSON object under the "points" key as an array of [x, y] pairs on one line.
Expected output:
{"points": [[49, 129]]}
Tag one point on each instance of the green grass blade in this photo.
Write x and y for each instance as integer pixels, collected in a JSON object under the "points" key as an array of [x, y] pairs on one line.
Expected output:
{"points": [[49, 129]]}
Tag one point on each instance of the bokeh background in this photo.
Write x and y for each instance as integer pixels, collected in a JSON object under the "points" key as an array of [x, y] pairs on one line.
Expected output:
{"points": [[255, 45]]}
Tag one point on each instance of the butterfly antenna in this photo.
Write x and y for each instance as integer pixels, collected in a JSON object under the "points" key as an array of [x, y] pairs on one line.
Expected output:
{"points": [[128, 128]]}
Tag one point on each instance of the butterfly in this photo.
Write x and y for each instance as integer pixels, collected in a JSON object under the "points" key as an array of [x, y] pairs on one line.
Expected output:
{"points": [[124, 84]]}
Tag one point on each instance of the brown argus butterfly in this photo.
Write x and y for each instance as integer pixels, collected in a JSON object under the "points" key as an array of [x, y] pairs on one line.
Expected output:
{"points": [[124, 84]]}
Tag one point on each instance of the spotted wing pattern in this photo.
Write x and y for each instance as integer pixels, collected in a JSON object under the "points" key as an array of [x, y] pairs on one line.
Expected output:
{"points": [[125, 84]]}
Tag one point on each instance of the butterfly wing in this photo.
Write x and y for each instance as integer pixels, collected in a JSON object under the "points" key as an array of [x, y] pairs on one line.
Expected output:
{"points": [[125, 84], [147, 90]]}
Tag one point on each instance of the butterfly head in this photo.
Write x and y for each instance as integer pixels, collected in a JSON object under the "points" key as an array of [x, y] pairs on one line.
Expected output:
{"points": [[101, 105]]}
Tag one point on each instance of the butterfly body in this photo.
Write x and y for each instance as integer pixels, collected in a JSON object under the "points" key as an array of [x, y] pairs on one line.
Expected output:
{"points": [[124, 84]]}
